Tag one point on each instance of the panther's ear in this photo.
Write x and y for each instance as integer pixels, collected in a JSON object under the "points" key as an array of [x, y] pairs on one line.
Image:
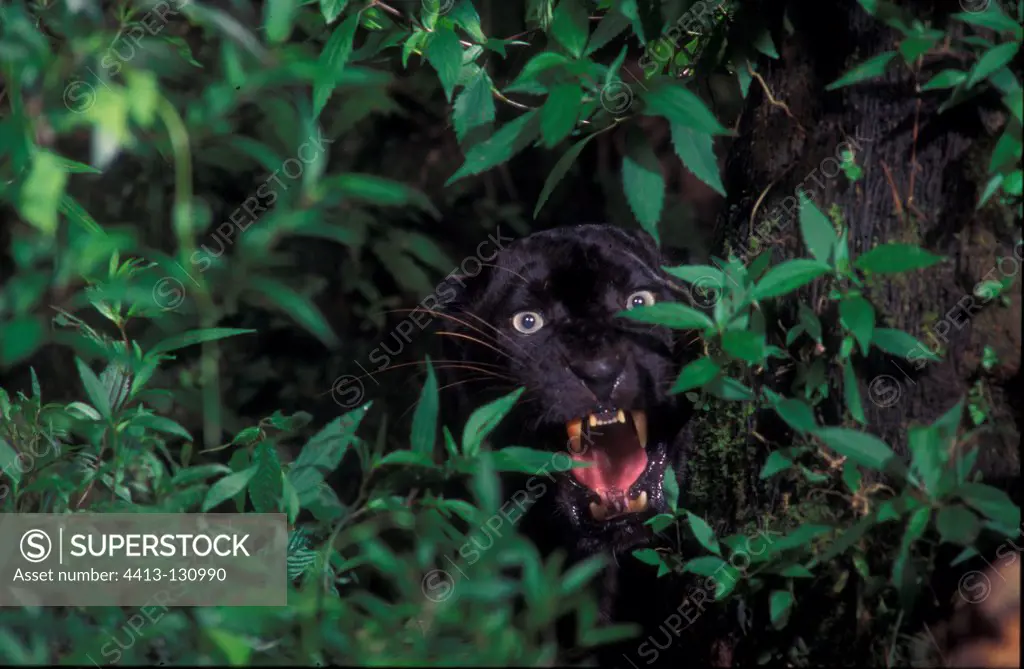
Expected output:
{"points": [[654, 258]]}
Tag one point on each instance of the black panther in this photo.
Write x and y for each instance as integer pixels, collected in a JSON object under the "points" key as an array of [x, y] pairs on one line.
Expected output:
{"points": [[544, 316]]}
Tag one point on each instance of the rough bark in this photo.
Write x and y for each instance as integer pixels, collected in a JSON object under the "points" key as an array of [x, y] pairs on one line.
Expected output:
{"points": [[923, 173]]}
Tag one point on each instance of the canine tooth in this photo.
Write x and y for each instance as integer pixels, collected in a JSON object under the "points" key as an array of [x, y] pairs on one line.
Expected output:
{"points": [[640, 421], [639, 504], [598, 511], [621, 416], [593, 420]]}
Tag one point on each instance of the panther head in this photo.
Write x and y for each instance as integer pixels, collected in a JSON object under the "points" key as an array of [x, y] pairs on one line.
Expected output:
{"points": [[545, 316]]}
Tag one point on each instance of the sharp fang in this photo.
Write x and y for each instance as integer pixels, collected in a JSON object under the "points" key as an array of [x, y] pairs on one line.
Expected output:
{"points": [[598, 511], [621, 416], [640, 421], [593, 420], [639, 504]]}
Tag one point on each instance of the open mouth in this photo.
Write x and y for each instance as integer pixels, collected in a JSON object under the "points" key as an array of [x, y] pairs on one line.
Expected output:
{"points": [[613, 441]]}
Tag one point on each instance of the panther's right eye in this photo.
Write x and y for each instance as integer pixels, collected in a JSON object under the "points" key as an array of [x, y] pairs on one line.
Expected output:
{"points": [[527, 322]]}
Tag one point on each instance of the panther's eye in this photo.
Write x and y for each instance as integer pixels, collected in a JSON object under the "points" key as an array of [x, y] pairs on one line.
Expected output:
{"points": [[527, 322], [641, 298]]}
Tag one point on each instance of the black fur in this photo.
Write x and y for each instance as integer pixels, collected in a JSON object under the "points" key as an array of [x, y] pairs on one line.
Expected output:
{"points": [[578, 278]]}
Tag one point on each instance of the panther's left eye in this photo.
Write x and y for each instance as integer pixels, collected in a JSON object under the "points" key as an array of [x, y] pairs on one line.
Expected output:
{"points": [[641, 298], [527, 322]]}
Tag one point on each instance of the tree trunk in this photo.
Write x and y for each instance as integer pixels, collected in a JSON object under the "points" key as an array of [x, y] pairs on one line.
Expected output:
{"points": [[922, 176]]}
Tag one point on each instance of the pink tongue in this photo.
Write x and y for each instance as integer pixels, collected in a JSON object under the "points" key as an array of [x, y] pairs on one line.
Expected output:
{"points": [[618, 461]]}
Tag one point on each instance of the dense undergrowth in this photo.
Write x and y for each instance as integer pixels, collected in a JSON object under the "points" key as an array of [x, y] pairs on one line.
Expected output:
{"points": [[147, 404]]}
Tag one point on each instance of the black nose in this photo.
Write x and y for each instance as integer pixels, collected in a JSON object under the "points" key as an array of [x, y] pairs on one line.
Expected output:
{"points": [[599, 375]]}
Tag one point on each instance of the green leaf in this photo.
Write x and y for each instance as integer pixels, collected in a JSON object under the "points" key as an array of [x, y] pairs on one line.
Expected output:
{"points": [[474, 107], [899, 343], [278, 17], [819, 235], [776, 462], [670, 99], [992, 502], [580, 574], [705, 535], [610, 25], [559, 113], [265, 486], [788, 276], [707, 565], [858, 316], [697, 274], [509, 140], [869, 69], [670, 487], [670, 314], [648, 556], [797, 414], [424, 420], [570, 26], [323, 453], [851, 393], [161, 424], [728, 388], [77, 214], [993, 18], [695, 375], [296, 305], [332, 61], [992, 60], [193, 337], [444, 53], [381, 191], [332, 9], [696, 151], [744, 345], [780, 604], [559, 171], [957, 524], [228, 487], [643, 182], [41, 192], [22, 336], [948, 78], [896, 257], [862, 448], [483, 421], [94, 389]]}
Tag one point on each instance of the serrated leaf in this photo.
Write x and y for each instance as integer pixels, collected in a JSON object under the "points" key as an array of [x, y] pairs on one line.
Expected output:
{"points": [[559, 171], [643, 182], [324, 451], [696, 150], [444, 53], [673, 101], [509, 140], [483, 421], [228, 487], [94, 389], [161, 424], [570, 26], [559, 113], [474, 107], [332, 61], [265, 486]]}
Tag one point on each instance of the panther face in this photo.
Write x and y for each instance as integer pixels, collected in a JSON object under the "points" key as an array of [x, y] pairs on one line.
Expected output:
{"points": [[544, 316]]}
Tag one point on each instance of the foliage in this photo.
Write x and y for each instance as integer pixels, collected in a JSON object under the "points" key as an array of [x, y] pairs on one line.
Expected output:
{"points": [[213, 100]]}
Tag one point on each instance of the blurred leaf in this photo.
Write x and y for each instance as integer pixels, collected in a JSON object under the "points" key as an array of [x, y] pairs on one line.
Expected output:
{"points": [[41, 192], [705, 535], [94, 389], [228, 487], [670, 314], [862, 448], [559, 113], [332, 9], [296, 305], [570, 26], [897, 342], [858, 316], [895, 257], [781, 603], [265, 486], [509, 140], [559, 171], [424, 420], [869, 69], [193, 337], [484, 419], [695, 375], [956, 524]]}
